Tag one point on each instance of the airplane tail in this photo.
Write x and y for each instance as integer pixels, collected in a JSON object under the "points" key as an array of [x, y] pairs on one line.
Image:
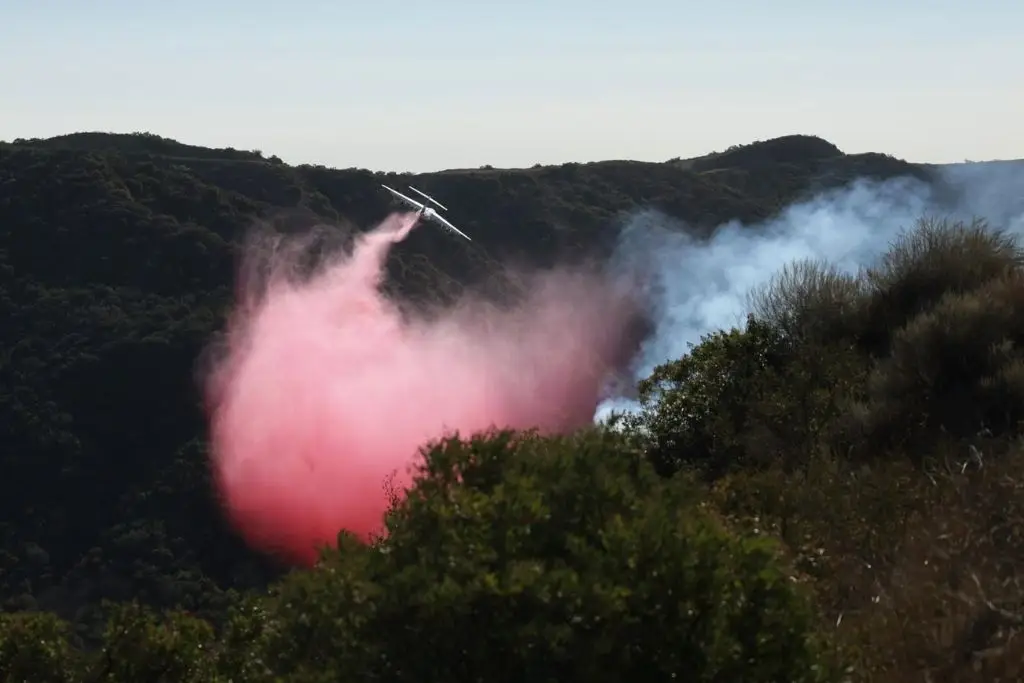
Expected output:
{"points": [[429, 198]]}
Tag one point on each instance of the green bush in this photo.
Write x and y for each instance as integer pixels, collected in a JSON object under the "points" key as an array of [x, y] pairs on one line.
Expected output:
{"points": [[956, 369], [140, 645], [746, 398], [811, 301], [35, 648], [517, 557], [697, 409], [935, 258]]}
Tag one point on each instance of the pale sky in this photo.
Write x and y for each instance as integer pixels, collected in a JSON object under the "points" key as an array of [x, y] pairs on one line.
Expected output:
{"points": [[420, 86]]}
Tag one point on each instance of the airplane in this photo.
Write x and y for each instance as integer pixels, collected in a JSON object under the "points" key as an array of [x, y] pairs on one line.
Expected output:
{"points": [[425, 211]]}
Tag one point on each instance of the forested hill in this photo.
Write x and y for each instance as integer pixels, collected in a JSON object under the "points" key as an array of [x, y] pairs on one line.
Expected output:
{"points": [[116, 262]]}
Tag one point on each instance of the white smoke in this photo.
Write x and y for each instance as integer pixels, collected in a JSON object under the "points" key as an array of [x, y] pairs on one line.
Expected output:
{"points": [[699, 286]]}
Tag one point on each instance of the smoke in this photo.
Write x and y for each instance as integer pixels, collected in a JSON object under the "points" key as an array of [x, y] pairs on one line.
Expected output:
{"points": [[323, 388], [697, 287]]}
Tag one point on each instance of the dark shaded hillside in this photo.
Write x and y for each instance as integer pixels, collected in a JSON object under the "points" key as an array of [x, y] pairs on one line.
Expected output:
{"points": [[137, 144], [116, 264]]}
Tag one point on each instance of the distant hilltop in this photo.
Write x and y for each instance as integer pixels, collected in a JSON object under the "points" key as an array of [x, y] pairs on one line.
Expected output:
{"points": [[139, 143], [789, 149]]}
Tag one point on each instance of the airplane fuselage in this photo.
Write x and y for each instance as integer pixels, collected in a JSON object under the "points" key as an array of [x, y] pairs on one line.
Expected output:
{"points": [[423, 211]]}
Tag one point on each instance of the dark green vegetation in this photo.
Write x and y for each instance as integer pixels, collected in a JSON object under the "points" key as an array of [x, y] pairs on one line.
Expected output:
{"points": [[834, 490]]}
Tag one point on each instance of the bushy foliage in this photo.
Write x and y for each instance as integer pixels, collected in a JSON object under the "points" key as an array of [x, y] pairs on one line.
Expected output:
{"points": [[742, 398], [917, 573], [36, 646], [811, 301], [517, 557], [514, 557], [956, 367], [935, 259], [699, 407], [139, 646]]}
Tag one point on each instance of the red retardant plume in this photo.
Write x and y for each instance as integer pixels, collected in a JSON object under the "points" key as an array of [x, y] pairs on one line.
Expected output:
{"points": [[325, 389]]}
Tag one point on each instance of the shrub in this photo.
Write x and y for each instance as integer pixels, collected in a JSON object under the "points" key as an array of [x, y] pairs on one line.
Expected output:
{"points": [[917, 575], [811, 301], [140, 645], [746, 398], [923, 265], [695, 410], [35, 646], [517, 557], [956, 368]]}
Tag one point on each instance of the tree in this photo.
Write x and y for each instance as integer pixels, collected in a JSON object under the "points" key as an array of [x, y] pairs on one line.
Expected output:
{"points": [[35, 646], [517, 557], [141, 646], [696, 410]]}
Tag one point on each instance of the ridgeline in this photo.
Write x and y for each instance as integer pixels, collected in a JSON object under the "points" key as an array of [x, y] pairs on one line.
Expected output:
{"points": [[117, 260]]}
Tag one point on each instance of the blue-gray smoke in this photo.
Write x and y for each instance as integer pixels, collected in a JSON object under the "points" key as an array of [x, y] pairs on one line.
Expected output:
{"points": [[697, 287]]}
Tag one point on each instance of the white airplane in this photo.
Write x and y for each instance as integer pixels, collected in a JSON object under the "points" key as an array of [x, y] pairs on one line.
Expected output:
{"points": [[425, 211]]}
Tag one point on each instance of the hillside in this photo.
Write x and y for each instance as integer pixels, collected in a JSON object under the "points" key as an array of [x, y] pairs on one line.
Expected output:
{"points": [[117, 258]]}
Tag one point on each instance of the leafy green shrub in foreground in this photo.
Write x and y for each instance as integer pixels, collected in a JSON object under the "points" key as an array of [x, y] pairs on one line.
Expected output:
{"points": [[138, 645], [934, 259], [35, 646], [957, 367], [697, 408], [742, 398], [522, 558], [810, 301]]}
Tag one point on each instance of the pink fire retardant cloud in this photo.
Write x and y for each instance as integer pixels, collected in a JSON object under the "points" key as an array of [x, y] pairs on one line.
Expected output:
{"points": [[325, 390]]}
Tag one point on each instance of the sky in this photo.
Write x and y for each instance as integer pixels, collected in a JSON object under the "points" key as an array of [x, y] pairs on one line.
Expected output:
{"points": [[421, 86]]}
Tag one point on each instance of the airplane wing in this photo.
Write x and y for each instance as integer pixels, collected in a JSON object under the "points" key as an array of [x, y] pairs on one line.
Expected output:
{"points": [[438, 218], [408, 200], [429, 198], [429, 215]]}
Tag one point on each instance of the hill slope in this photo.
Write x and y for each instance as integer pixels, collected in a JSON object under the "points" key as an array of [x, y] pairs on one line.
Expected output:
{"points": [[117, 255]]}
